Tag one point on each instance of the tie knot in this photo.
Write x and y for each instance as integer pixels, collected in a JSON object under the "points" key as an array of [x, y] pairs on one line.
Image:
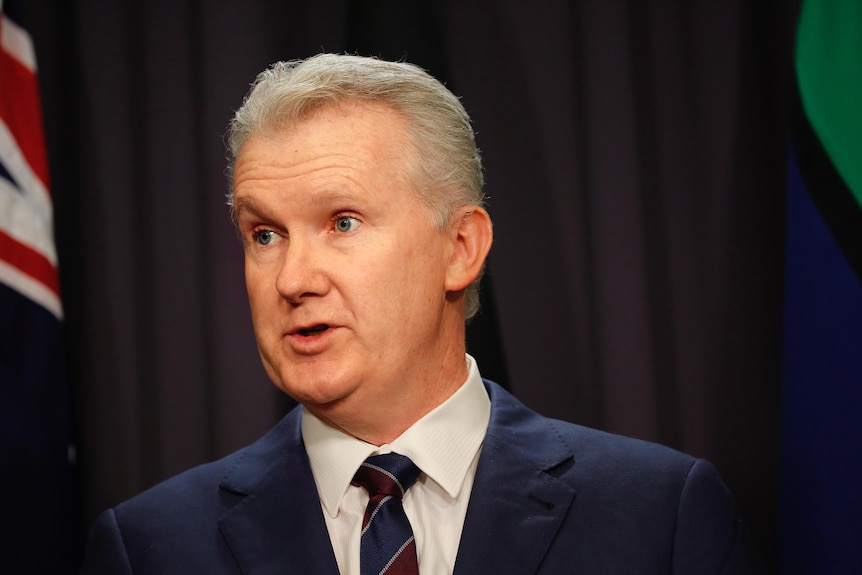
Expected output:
{"points": [[389, 474]]}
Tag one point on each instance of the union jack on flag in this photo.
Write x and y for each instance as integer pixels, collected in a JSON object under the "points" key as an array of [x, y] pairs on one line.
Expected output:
{"points": [[35, 451], [28, 259]]}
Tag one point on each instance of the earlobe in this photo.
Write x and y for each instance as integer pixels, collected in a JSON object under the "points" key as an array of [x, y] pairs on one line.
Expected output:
{"points": [[471, 234]]}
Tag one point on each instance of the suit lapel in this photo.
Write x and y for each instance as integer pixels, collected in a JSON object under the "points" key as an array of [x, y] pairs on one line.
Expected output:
{"points": [[515, 504], [277, 525]]}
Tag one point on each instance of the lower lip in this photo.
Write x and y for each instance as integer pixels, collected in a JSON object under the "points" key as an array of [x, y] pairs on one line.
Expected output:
{"points": [[310, 344]]}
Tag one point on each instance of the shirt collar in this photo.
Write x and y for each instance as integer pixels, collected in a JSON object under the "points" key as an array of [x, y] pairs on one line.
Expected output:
{"points": [[443, 443]]}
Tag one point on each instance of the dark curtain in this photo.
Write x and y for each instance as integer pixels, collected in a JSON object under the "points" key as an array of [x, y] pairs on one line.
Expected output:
{"points": [[634, 153]]}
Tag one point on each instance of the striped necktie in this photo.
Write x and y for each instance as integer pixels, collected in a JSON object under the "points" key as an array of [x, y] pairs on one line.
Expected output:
{"points": [[387, 544]]}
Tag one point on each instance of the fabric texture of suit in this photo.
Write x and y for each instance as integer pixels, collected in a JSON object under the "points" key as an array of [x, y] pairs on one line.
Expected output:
{"points": [[549, 497]]}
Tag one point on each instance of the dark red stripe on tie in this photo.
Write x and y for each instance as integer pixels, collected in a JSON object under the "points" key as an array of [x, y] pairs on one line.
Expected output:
{"points": [[387, 544]]}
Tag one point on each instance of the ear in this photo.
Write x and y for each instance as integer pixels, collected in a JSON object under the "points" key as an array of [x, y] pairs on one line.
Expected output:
{"points": [[471, 235]]}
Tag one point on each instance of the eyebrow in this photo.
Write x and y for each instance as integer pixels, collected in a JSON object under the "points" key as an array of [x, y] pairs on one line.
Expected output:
{"points": [[246, 209], [248, 205]]}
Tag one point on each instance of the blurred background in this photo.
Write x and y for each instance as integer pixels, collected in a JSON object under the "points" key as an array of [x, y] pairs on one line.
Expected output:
{"points": [[636, 156]]}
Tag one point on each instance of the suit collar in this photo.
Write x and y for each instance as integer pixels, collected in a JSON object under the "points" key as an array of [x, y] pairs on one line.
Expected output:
{"points": [[277, 525], [516, 502]]}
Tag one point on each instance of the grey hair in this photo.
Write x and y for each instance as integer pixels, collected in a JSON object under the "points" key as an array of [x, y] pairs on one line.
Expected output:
{"points": [[444, 166]]}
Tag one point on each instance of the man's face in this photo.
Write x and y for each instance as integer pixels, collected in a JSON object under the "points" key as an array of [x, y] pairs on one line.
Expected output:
{"points": [[345, 270]]}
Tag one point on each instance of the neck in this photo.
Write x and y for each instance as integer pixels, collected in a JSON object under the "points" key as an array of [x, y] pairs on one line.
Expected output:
{"points": [[380, 419]]}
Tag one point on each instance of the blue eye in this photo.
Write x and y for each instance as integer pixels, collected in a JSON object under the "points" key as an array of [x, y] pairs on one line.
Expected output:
{"points": [[264, 237], [346, 224]]}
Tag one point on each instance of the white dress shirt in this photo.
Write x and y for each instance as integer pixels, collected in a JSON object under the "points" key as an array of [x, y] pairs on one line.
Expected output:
{"points": [[444, 444]]}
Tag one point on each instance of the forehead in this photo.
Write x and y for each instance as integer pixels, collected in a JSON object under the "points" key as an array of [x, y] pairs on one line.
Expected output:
{"points": [[364, 131], [363, 123], [356, 147]]}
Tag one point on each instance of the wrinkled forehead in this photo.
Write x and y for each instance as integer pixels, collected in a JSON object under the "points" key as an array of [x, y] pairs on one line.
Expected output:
{"points": [[358, 117]]}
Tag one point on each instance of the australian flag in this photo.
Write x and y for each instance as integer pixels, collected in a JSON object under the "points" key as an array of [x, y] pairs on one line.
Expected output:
{"points": [[35, 469]]}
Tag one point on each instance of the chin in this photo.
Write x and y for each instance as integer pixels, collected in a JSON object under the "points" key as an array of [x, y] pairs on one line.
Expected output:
{"points": [[319, 389]]}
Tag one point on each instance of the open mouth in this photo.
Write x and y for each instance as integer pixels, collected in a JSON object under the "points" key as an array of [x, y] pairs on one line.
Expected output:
{"points": [[315, 330]]}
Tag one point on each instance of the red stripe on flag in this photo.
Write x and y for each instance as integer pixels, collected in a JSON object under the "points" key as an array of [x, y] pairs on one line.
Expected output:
{"points": [[20, 110], [29, 262]]}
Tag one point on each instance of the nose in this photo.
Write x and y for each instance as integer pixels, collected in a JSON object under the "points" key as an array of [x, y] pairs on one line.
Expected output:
{"points": [[302, 274]]}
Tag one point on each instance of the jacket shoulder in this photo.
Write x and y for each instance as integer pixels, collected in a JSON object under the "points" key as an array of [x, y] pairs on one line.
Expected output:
{"points": [[548, 441], [181, 514]]}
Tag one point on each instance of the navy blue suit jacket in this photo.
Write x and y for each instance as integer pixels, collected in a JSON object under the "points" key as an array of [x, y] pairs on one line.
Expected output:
{"points": [[549, 497]]}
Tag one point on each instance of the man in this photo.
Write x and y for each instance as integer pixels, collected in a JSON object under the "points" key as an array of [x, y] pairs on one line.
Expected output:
{"points": [[357, 191]]}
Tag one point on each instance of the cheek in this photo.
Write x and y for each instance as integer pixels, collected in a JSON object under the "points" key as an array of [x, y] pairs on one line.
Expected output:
{"points": [[252, 285], [420, 276], [380, 286], [260, 291]]}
